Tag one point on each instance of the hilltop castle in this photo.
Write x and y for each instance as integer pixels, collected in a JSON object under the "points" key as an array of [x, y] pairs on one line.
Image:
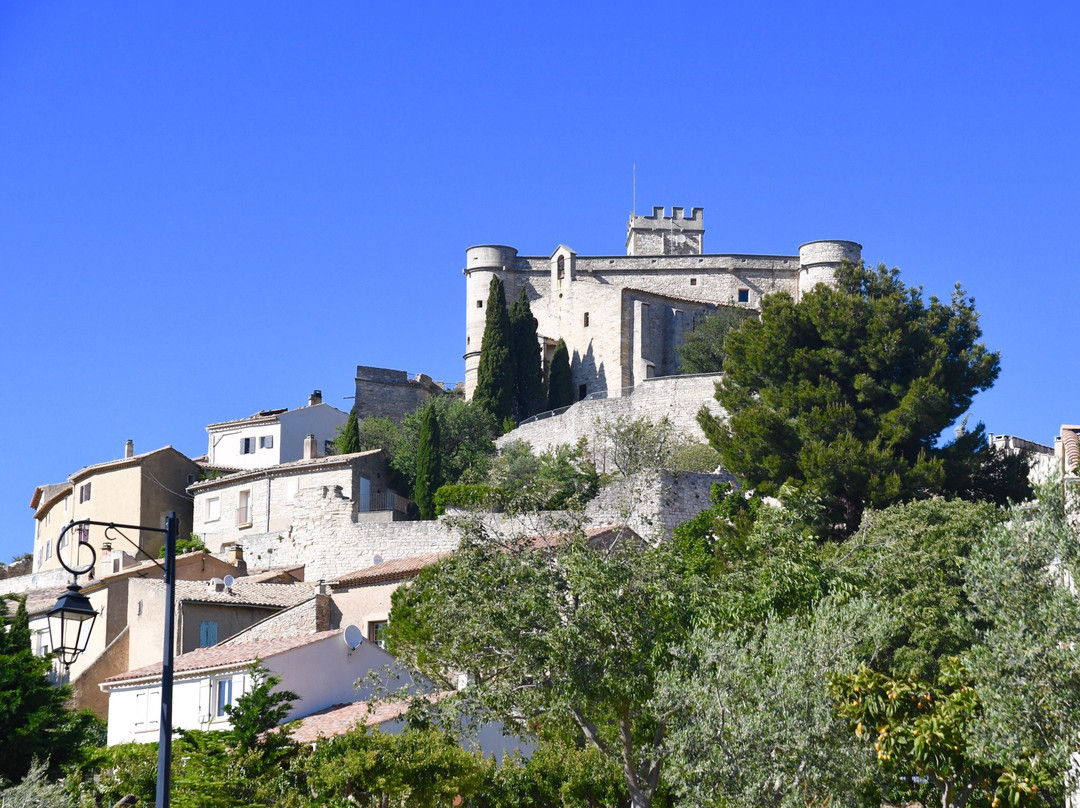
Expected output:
{"points": [[623, 316]]}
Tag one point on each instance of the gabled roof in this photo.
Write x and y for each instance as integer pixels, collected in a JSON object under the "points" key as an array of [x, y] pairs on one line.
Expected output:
{"points": [[46, 495], [267, 416], [242, 593], [315, 463], [341, 718], [221, 657], [396, 570], [123, 462]]}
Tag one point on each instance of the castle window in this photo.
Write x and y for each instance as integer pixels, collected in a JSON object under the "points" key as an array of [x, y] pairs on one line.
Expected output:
{"points": [[479, 304], [586, 319], [581, 392], [561, 268], [744, 295], [693, 281]]}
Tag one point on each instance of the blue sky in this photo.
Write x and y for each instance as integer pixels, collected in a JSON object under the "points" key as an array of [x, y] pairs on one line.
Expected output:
{"points": [[207, 209]]}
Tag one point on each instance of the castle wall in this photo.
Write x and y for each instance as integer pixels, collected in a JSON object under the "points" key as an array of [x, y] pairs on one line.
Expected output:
{"points": [[678, 398], [385, 393]]}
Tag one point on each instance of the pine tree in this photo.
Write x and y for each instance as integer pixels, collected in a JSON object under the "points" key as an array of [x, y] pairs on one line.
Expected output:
{"points": [[528, 387], [495, 376], [560, 387], [348, 440], [428, 465]]}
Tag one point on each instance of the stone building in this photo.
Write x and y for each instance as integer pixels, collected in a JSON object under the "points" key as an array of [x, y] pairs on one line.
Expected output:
{"points": [[623, 317], [393, 394]]}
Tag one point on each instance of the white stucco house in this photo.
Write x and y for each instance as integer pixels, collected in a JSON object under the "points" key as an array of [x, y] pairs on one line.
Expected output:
{"points": [[321, 668], [270, 437]]}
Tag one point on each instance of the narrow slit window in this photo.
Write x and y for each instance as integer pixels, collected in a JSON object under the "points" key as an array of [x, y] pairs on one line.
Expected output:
{"points": [[586, 319]]}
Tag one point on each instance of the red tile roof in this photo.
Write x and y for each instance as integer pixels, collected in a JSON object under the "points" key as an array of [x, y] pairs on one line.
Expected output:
{"points": [[224, 656], [341, 718], [394, 570]]}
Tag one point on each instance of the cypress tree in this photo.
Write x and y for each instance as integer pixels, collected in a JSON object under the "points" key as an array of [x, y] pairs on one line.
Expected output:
{"points": [[528, 387], [348, 440], [428, 464], [495, 376], [560, 388]]}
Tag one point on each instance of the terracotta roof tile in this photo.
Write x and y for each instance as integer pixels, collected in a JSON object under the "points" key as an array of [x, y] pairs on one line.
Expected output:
{"points": [[341, 718], [223, 656], [243, 593], [396, 569]]}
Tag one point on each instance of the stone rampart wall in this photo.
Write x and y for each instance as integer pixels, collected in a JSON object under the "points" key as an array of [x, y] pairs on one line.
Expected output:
{"points": [[678, 398]]}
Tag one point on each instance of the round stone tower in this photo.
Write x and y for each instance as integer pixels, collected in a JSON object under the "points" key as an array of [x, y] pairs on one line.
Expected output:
{"points": [[819, 260], [482, 263]]}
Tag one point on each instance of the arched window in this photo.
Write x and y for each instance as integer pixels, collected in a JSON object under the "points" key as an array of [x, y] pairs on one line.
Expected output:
{"points": [[561, 267]]}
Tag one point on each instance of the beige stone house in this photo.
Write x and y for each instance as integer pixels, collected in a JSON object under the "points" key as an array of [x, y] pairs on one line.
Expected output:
{"points": [[134, 490]]}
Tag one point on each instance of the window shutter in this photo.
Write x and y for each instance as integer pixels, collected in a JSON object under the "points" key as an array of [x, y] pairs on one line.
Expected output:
{"points": [[204, 702]]}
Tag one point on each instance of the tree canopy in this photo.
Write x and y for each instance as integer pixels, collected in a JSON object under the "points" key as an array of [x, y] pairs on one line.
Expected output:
{"points": [[702, 350], [528, 384], [838, 402], [428, 464]]}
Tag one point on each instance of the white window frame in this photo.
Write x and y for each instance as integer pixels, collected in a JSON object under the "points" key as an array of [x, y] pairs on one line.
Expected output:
{"points": [[213, 509], [243, 508], [266, 442]]}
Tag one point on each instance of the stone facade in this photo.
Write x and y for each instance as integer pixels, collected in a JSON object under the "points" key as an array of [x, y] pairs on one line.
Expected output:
{"points": [[653, 504], [677, 398], [385, 393], [623, 317]]}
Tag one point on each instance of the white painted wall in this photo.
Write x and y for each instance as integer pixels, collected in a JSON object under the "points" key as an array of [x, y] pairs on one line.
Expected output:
{"points": [[320, 420]]}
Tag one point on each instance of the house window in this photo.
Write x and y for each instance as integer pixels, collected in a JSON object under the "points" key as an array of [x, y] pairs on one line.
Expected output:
{"points": [[744, 295], [222, 696], [376, 632], [586, 319], [243, 508], [84, 493], [207, 633], [48, 549], [213, 509], [247, 445], [266, 442], [292, 487]]}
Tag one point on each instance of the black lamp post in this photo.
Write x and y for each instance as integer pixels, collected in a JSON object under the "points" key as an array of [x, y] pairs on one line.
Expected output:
{"points": [[72, 619]]}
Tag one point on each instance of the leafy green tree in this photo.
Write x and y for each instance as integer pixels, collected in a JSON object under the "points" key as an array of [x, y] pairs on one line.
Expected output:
{"points": [[838, 401], [495, 375], [560, 386], [348, 439], [562, 477], [376, 432], [528, 387], [703, 349], [34, 722], [259, 710], [428, 465], [466, 433], [557, 633]]}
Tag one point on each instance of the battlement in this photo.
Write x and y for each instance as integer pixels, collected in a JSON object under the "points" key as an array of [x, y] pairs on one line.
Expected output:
{"points": [[659, 234]]}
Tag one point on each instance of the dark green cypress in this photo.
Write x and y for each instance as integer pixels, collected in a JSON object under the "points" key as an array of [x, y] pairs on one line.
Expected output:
{"points": [[348, 440], [495, 376], [560, 388], [528, 387], [428, 465]]}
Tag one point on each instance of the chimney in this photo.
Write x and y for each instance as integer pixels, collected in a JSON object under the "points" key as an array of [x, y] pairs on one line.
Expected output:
{"points": [[315, 398], [236, 555], [311, 448], [129, 448]]}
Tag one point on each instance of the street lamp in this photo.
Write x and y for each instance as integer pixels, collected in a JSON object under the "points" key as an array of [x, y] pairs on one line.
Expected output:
{"points": [[72, 619]]}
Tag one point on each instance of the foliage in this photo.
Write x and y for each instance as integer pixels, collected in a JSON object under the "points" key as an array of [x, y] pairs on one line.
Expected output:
{"points": [[191, 544], [465, 431], [755, 726], [376, 432], [416, 769], [633, 445], [560, 478], [515, 614], [839, 400], [428, 465], [560, 385], [348, 437], [467, 496], [699, 457], [528, 384], [35, 791], [495, 374], [703, 349], [259, 710], [34, 722]]}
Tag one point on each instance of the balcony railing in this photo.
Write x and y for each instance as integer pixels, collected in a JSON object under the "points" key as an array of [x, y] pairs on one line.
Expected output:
{"points": [[388, 501]]}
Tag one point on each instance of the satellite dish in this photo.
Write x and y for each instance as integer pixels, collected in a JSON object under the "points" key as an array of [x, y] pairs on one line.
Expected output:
{"points": [[378, 559], [229, 581], [353, 636], [35, 580]]}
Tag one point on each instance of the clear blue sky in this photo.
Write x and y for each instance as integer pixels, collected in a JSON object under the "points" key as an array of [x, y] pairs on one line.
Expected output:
{"points": [[207, 209]]}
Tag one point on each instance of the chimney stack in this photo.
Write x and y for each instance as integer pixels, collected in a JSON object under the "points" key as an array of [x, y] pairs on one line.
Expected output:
{"points": [[129, 448], [311, 448], [315, 398]]}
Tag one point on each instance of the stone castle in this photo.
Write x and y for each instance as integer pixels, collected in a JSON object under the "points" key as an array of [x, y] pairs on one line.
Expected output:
{"points": [[623, 317]]}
